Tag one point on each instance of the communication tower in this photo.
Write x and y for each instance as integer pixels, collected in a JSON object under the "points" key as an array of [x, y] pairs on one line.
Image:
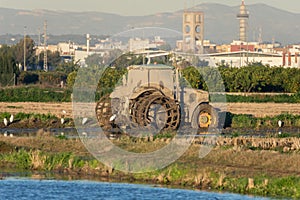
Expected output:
{"points": [[243, 16]]}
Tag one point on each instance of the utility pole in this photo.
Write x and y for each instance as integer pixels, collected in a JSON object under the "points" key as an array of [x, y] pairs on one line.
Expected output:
{"points": [[39, 44], [45, 47], [25, 68]]}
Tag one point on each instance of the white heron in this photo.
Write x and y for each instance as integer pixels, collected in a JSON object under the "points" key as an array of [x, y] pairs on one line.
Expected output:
{"points": [[64, 112], [5, 134], [280, 123], [84, 120], [62, 120], [5, 121], [84, 134], [11, 119], [11, 135], [112, 118]]}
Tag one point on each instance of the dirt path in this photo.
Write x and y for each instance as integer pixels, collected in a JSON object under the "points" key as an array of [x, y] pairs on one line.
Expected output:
{"points": [[37, 107], [256, 109]]}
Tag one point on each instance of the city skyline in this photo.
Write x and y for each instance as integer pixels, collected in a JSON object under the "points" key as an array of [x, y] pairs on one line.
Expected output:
{"points": [[136, 7]]}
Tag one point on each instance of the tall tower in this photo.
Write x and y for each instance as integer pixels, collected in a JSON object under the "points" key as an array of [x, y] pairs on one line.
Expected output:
{"points": [[88, 44], [243, 16], [45, 47], [193, 31]]}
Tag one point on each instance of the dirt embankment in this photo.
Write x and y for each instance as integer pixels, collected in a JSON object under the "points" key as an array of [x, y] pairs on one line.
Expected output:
{"points": [[234, 157], [255, 109]]}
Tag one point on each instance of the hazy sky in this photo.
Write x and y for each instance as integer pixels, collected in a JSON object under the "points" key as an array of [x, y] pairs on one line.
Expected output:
{"points": [[135, 7]]}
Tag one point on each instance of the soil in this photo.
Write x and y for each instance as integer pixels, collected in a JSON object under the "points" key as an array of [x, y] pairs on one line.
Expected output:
{"points": [[255, 109]]}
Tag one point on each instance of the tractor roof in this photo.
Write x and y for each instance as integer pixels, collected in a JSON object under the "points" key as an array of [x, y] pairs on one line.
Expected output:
{"points": [[151, 66]]}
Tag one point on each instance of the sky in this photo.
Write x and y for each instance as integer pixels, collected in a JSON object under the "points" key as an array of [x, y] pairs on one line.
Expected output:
{"points": [[135, 7]]}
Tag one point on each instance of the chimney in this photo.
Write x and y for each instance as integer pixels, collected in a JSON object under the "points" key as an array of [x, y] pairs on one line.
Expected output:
{"points": [[87, 44], [289, 59], [283, 58]]}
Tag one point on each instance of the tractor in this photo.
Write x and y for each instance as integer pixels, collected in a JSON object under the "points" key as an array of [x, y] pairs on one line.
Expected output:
{"points": [[153, 95]]}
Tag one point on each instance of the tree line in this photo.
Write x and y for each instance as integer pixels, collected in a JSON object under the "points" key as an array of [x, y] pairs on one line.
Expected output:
{"points": [[252, 78], [12, 61]]}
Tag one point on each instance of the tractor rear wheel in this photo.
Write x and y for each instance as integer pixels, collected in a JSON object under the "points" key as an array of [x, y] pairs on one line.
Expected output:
{"points": [[155, 109], [104, 111]]}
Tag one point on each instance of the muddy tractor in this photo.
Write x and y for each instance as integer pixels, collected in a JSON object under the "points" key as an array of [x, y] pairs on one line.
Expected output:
{"points": [[154, 96]]}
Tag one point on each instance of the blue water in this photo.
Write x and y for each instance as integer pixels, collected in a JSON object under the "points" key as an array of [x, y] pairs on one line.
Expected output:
{"points": [[15, 188]]}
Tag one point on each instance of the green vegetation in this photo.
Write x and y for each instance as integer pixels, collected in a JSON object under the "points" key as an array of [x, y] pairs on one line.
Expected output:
{"points": [[238, 121], [38, 160], [34, 94], [8, 66], [48, 161], [178, 173], [248, 172], [284, 98], [12, 62], [101, 80], [257, 98], [248, 121], [50, 79], [253, 78], [24, 116]]}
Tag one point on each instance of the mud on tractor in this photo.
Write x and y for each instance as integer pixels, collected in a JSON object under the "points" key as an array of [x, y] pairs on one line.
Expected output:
{"points": [[151, 96]]}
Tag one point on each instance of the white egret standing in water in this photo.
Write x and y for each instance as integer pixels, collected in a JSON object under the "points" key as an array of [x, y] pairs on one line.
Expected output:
{"points": [[11, 119], [5, 121], [280, 123], [84, 121]]}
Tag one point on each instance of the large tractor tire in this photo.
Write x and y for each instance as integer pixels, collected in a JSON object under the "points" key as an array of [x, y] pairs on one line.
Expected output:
{"points": [[104, 111], [155, 109], [205, 116]]}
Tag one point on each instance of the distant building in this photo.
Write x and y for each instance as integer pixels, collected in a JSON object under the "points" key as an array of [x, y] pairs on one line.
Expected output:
{"points": [[244, 58], [209, 47], [109, 44], [241, 46], [136, 44]]}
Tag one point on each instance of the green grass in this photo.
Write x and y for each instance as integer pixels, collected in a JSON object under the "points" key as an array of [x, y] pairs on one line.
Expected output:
{"points": [[249, 121], [261, 98], [35, 94], [24, 116]]}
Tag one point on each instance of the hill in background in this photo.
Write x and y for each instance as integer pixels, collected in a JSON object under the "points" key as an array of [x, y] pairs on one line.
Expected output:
{"points": [[221, 25]]}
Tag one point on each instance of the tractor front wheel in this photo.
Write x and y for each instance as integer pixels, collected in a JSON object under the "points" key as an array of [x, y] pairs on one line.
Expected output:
{"points": [[205, 116]]}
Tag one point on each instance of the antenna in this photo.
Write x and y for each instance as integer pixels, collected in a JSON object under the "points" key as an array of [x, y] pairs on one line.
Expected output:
{"points": [[45, 47], [39, 44], [260, 40], [25, 67], [88, 44]]}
